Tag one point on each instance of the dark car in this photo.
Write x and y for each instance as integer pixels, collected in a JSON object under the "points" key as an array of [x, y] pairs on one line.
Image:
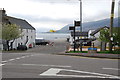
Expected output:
{"points": [[41, 42], [22, 47]]}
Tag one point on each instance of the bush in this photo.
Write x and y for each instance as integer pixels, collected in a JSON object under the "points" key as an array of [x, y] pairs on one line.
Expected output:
{"points": [[117, 51]]}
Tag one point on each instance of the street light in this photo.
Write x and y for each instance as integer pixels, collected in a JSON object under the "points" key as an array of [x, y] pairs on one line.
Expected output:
{"points": [[80, 15]]}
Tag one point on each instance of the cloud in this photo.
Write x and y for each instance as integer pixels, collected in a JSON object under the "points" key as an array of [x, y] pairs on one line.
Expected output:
{"points": [[54, 1], [57, 13], [45, 19]]}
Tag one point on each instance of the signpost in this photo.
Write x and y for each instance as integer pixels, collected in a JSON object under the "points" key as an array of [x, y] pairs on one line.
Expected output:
{"points": [[71, 27], [77, 23], [78, 34]]}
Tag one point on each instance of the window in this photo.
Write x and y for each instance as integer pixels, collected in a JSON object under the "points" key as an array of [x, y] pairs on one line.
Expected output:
{"points": [[27, 30]]}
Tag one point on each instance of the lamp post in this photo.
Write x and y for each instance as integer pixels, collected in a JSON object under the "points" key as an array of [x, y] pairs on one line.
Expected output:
{"points": [[80, 22], [80, 15]]}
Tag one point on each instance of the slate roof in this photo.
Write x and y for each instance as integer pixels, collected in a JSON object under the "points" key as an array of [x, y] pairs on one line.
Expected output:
{"points": [[97, 30], [20, 22]]}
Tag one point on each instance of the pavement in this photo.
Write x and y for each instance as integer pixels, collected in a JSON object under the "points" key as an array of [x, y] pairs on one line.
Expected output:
{"points": [[93, 55]]}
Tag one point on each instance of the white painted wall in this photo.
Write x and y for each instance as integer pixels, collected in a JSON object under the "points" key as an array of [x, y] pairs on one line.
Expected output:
{"points": [[96, 42], [22, 40]]}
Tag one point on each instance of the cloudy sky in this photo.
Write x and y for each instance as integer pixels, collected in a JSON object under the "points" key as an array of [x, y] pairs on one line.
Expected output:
{"points": [[55, 14]]}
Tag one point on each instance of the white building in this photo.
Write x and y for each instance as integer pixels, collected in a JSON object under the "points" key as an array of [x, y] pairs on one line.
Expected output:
{"points": [[28, 32]]}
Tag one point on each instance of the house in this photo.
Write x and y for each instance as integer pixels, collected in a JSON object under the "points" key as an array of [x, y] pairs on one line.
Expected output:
{"points": [[89, 38], [28, 31]]}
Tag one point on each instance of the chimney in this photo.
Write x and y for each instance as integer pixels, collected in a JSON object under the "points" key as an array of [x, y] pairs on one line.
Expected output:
{"points": [[2, 12]]}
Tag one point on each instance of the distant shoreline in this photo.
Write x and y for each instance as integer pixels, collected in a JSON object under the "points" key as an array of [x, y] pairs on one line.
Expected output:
{"points": [[52, 36]]}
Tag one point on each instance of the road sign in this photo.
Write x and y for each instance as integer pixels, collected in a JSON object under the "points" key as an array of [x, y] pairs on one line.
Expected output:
{"points": [[78, 34], [71, 28], [77, 23]]}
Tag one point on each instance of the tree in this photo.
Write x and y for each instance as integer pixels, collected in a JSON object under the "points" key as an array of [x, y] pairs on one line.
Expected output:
{"points": [[116, 36], [104, 36], [10, 32]]}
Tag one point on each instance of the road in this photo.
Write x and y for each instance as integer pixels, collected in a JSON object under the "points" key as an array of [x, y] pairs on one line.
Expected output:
{"points": [[40, 65], [40, 62]]}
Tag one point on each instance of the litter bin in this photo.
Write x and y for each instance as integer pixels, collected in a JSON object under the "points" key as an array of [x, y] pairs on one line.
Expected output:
{"points": [[92, 50]]}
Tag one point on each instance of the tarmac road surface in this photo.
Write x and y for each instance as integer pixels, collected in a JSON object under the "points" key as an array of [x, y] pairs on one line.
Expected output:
{"points": [[35, 65]]}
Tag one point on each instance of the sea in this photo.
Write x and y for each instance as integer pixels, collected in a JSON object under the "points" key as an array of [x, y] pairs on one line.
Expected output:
{"points": [[52, 36]]}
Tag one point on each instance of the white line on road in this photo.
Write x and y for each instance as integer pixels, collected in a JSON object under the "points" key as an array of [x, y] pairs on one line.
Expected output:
{"points": [[22, 57], [46, 65], [11, 59], [2, 64], [55, 71], [51, 72], [112, 69], [16, 58], [4, 61]]}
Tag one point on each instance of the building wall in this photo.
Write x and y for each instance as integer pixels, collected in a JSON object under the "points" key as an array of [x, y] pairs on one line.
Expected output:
{"points": [[96, 42], [31, 34]]}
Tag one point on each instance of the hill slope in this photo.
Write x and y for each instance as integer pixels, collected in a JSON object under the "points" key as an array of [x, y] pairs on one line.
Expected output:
{"points": [[90, 25]]}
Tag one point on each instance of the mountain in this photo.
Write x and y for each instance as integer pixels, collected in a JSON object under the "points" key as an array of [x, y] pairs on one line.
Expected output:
{"points": [[90, 25]]}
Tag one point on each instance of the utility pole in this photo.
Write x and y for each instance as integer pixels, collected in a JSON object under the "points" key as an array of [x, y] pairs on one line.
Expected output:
{"points": [[111, 25], [80, 15], [80, 22]]}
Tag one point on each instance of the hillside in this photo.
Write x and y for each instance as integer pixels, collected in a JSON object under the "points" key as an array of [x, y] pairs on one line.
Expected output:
{"points": [[90, 25]]}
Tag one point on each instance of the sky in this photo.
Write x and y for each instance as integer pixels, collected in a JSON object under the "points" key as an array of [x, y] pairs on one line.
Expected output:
{"points": [[55, 14]]}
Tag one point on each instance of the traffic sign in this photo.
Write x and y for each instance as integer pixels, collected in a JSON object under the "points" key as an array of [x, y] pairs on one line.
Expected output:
{"points": [[78, 34], [77, 23], [71, 28]]}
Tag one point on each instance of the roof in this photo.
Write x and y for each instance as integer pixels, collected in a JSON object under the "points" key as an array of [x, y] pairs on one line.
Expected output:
{"points": [[20, 22], [97, 30]]}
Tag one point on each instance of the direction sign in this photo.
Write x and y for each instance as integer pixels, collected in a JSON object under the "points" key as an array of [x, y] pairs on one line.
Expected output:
{"points": [[71, 28], [77, 23], [78, 34]]}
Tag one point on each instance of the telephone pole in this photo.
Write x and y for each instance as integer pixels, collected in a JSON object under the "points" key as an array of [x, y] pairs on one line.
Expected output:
{"points": [[111, 25]]}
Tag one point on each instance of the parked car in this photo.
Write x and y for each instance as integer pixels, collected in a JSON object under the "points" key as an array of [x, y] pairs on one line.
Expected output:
{"points": [[41, 42], [22, 47]]}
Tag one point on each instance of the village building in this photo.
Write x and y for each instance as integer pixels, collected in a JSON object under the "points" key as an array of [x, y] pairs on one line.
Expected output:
{"points": [[28, 31]]}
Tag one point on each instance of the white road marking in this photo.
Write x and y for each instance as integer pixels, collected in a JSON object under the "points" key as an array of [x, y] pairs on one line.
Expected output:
{"points": [[55, 71], [56, 65], [51, 72], [11, 59], [22, 57], [4, 61], [46, 65], [2, 64], [18, 58], [112, 69]]}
